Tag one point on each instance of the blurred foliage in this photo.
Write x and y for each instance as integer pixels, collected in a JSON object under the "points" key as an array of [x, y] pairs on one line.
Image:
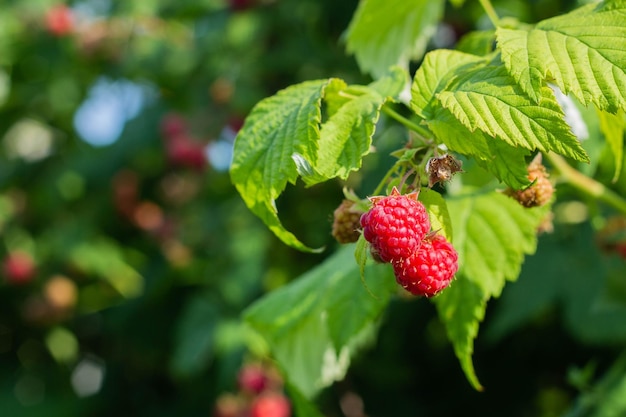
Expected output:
{"points": [[145, 259]]}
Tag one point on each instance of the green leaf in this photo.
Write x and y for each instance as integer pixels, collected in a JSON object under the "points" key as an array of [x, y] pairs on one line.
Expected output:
{"points": [[279, 132], [462, 307], [492, 234], [506, 162], [583, 52], [392, 83], [383, 33], [486, 98], [438, 68], [437, 212], [314, 324], [302, 406], [613, 127], [346, 138]]}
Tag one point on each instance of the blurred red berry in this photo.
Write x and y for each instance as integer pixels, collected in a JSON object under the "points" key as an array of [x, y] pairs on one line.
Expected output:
{"points": [[18, 267], [183, 151], [60, 20], [229, 405], [252, 378], [173, 125], [271, 405], [240, 5]]}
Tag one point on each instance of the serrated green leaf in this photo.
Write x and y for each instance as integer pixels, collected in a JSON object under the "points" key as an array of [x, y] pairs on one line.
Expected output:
{"points": [[438, 68], [346, 137], [392, 83], [507, 163], [383, 33], [613, 127], [487, 98], [437, 212], [583, 52], [493, 233], [335, 97], [313, 324], [278, 128]]}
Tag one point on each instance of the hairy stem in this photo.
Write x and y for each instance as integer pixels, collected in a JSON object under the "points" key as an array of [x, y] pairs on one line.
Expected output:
{"points": [[491, 12], [585, 184]]}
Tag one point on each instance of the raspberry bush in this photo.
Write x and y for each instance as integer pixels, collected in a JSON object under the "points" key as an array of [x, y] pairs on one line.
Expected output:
{"points": [[312, 208], [478, 120]]}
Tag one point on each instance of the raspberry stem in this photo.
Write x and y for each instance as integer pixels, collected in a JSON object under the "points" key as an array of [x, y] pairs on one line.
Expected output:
{"points": [[585, 184], [423, 133], [491, 12]]}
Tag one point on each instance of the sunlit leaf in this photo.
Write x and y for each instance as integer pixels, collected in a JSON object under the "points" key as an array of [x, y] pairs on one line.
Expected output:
{"points": [[486, 98], [583, 52], [436, 71], [314, 324], [492, 234], [383, 33], [278, 129], [505, 162]]}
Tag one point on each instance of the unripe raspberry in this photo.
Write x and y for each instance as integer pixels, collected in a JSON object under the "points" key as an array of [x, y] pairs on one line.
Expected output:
{"points": [[540, 191], [430, 269], [272, 404], [346, 222], [395, 225]]}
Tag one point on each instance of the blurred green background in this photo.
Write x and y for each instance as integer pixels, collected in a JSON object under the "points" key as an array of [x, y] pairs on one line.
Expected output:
{"points": [[129, 256]]}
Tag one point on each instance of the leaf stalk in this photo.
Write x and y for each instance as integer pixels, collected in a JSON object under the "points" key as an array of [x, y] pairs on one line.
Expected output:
{"points": [[587, 185], [491, 12]]}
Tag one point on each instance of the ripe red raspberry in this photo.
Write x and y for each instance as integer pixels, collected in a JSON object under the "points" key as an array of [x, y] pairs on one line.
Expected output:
{"points": [[430, 269], [395, 225], [272, 404]]}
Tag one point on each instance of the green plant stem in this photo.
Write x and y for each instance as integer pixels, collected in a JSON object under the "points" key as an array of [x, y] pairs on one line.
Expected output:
{"points": [[406, 122], [585, 184], [491, 12], [388, 175]]}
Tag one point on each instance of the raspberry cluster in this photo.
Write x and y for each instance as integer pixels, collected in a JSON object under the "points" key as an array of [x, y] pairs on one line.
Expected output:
{"points": [[398, 230], [260, 394]]}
